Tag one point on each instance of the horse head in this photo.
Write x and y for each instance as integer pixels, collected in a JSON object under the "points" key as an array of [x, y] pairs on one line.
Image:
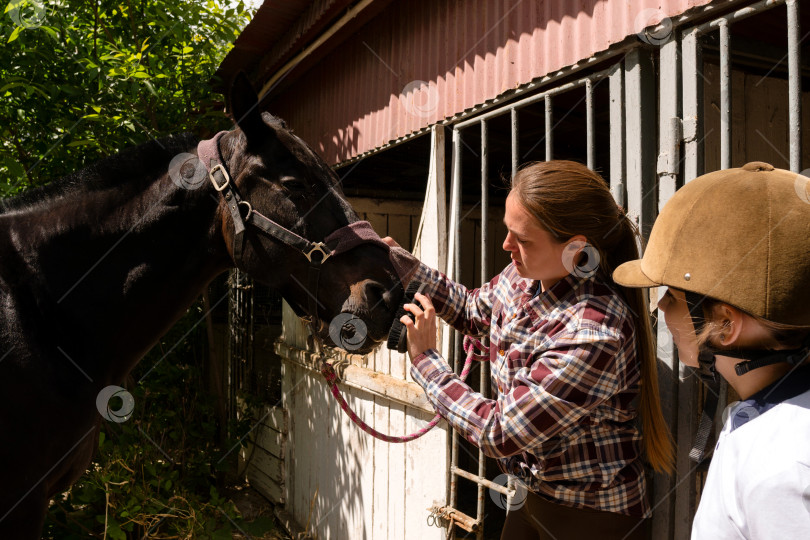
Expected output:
{"points": [[280, 181]]}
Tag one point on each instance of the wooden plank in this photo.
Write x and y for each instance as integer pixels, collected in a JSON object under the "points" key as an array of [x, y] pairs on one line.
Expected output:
{"points": [[379, 222], [272, 416], [738, 120], [265, 485], [427, 461], [356, 506], [767, 120], [397, 497], [270, 440], [805, 122], [368, 380], [711, 116], [379, 519], [266, 462], [365, 206], [298, 430], [468, 248]]}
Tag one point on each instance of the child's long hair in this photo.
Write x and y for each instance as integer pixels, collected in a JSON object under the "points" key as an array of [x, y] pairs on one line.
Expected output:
{"points": [[568, 199]]}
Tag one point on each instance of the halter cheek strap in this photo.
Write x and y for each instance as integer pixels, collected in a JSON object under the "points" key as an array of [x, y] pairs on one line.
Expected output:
{"points": [[340, 241]]}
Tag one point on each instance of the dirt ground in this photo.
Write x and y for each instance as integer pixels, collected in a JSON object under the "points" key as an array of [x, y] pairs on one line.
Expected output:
{"points": [[258, 511]]}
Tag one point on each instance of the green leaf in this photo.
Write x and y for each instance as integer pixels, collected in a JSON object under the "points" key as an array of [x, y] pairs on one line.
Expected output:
{"points": [[140, 75], [14, 34]]}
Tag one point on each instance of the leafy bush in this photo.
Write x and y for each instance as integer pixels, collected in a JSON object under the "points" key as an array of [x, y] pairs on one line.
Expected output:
{"points": [[155, 475]]}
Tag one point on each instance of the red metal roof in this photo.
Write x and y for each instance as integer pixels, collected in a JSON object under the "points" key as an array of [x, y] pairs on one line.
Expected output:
{"points": [[421, 61]]}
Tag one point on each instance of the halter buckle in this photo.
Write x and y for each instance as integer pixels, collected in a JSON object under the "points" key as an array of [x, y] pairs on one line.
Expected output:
{"points": [[318, 246], [220, 168]]}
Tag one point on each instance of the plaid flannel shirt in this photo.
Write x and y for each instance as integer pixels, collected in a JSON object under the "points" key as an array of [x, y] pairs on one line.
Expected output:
{"points": [[565, 373]]}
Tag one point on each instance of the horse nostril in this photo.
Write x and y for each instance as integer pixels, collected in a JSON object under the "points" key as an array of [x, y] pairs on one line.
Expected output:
{"points": [[348, 331]]}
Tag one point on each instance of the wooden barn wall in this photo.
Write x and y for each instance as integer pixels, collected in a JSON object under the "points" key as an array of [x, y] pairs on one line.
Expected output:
{"points": [[337, 480], [759, 119]]}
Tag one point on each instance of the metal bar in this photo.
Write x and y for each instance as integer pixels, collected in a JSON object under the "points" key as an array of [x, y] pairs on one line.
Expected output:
{"points": [[794, 86], [738, 15], [668, 175], [549, 128], [460, 519], [484, 204], [692, 105], [687, 412], [725, 97], [589, 122], [515, 141], [640, 114], [484, 384], [534, 98], [616, 89], [455, 230], [480, 480]]}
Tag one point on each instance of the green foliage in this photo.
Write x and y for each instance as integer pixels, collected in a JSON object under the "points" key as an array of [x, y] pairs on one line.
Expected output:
{"points": [[155, 475], [80, 80]]}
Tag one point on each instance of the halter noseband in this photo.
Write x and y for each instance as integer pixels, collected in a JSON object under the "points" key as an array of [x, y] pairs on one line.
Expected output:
{"points": [[343, 239]]}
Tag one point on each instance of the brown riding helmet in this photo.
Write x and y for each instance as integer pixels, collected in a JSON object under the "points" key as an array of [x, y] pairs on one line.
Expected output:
{"points": [[741, 236]]}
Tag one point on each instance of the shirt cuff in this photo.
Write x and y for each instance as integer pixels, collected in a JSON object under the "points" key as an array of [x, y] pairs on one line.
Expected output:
{"points": [[427, 366]]}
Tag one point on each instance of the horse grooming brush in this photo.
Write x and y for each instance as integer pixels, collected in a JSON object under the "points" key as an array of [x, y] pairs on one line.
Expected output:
{"points": [[398, 335]]}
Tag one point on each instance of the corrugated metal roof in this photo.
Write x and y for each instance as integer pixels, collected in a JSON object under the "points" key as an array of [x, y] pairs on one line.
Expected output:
{"points": [[277, 30], [422, 61]]}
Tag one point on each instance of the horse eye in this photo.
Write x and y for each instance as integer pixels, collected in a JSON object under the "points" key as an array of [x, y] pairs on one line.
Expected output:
{"points": [[291, 183]]}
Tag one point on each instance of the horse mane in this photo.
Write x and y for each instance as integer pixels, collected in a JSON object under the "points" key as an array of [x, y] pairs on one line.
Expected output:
{"points": [[132, 166]]}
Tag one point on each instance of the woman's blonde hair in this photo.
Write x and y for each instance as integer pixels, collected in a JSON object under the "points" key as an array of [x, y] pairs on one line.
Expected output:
{"points": [[568, 199]]}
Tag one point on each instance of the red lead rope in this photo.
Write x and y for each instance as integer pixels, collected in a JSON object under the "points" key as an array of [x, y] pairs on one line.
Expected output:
{"points": [[471, 346]]}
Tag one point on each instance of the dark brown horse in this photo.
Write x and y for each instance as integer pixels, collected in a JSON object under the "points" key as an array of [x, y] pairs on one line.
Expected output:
{"points": [[96, 267]]}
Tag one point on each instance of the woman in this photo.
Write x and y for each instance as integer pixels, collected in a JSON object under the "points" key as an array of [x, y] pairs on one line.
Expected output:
{"points": [[570, 352], [733, 248]]}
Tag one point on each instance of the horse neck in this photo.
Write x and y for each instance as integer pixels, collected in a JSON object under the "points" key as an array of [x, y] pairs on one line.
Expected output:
{"points": [[112, 269]]}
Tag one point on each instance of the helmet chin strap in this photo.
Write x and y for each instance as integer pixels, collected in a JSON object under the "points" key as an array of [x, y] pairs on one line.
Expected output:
{"points": [[752, 358]]}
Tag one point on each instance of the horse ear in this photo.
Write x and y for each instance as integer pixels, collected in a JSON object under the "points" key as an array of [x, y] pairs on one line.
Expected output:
{"points": [[243, 104]]}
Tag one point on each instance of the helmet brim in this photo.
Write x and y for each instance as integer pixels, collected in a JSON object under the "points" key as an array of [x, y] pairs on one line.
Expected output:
{"points": [[629, 274]]}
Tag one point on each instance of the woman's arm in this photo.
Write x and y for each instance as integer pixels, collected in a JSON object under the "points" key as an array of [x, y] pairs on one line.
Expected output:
{"points": [[558, 387], [469, 312]]}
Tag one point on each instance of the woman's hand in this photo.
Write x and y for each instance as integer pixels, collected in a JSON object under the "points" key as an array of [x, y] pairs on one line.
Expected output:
{"points": [[390, 241], [422, 330]]}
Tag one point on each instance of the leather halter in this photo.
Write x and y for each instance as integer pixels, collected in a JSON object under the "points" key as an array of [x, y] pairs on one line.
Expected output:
{"points": [[343, 239]]}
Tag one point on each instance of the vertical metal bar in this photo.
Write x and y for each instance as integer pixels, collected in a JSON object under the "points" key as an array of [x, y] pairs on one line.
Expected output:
{"points": [[692, 95], [549, 129], [589, 121], [692, 105], [515, 141], [794, 86], [725, 97], [668, 174], [484, 383], [455, 230], [640, 115], [484, 203], [616, 82]]}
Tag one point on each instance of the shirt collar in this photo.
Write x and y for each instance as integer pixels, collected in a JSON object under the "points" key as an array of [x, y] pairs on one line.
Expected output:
{"points": [[794, 383], [540, 302]]}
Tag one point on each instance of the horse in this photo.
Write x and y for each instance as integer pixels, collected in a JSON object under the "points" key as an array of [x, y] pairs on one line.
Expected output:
{"points": [[96, 267]]}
